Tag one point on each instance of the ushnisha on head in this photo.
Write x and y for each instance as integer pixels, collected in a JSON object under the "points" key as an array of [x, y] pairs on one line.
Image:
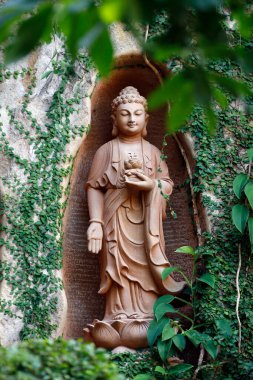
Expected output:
{"points": [[129, 98]]}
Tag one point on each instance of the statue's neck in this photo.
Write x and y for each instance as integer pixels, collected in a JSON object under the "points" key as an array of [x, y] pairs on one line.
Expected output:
{"points": [[130, 139]]}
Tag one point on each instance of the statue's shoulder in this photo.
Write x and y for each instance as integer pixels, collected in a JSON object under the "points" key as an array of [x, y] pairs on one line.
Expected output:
{"points": [[105, 147], [152, 147]]}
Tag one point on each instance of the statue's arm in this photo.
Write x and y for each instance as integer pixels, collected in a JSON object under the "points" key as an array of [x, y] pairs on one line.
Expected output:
{"points": [[96, 211]]}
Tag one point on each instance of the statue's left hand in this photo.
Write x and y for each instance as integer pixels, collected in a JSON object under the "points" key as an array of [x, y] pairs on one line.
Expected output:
{"points": [[144, 183]]}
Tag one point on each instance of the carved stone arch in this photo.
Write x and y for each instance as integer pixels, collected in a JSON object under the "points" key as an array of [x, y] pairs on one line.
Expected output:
{"points": [[81, 268]]}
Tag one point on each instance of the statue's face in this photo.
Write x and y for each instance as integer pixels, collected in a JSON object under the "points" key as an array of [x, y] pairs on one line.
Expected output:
{"points": [[130, 119]]}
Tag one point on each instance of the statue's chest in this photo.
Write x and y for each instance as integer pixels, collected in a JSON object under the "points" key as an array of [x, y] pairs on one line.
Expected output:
{"points": [[131, 155]]}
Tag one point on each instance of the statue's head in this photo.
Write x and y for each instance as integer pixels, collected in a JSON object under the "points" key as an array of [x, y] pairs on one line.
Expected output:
{"points": [[129, 113]]}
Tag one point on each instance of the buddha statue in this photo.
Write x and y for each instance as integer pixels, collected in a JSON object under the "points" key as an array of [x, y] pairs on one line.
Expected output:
{"points": [[125, 190]]}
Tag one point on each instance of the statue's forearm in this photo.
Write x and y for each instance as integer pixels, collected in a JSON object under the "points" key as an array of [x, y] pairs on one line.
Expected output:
{"points": [[95, 203]]}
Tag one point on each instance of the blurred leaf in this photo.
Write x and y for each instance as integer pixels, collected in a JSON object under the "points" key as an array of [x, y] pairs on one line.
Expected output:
{"points": [[112, 10], [160, 369], [208, 279], [167, 298], [220, 97], [250, 227], [186, 249], [179, 341], [163, 309], [211, 119], [164, 349], [30, 32], [155, 329], [239, 183], [244, 21], [224, 326], [233, 86], [250, 154], [168, 332], [167, 272], [102, 52], [181, 107], [249, 192], [240, 215]]}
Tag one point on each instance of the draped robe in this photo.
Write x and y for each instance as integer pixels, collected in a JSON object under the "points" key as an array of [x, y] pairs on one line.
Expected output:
{"points": [[133, 253]]}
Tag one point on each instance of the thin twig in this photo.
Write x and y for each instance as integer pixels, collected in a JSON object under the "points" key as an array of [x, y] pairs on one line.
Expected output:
{"points": [[238, 298], [200, 361]]}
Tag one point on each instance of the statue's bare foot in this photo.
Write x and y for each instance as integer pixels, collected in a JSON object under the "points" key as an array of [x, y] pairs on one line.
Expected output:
{"points": [[119, 316]]}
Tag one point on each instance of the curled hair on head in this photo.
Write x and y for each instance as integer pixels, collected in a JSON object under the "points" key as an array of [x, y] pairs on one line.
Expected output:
{"points": [[129, 94]]}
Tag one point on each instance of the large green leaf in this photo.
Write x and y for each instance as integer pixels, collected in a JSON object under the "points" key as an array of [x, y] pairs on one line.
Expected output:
{"points": [[179, 341], [249, 192], [240, 215], [167, 272], [224, 327], [180, 368], [102, 52], [164, 349], [250, 154], [211, 348], [167, 298], [168, 332], [194, 336], [239, 183], [250, 227], [143, 376], [155, 329], [208, 279], [186, 249], [163, 309]]}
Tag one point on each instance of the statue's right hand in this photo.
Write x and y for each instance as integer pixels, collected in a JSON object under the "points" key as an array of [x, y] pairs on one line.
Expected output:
{"points": [[95, 236]]}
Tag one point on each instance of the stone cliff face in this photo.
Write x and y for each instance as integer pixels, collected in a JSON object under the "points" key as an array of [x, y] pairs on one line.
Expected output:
{"points": [[80, 269]]}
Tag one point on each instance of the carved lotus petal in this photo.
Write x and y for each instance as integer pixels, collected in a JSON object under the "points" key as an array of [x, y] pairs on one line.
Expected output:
{"points": [[134, 334], [104, 335]]}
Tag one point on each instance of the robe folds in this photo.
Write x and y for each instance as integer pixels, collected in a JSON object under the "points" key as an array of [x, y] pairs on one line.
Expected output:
{"points": [[133, 253]]}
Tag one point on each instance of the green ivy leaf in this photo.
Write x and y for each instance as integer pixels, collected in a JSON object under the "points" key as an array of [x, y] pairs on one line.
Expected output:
{"points": [[208, 279], [167, 298], [167, 272], [163, 309], [179, 341], [240, 215], [186, 249], [249, 192], [239, 183]]}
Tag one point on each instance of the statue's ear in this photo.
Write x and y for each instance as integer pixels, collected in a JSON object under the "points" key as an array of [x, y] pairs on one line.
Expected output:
{"points": [[144, 131], [114, 128]]}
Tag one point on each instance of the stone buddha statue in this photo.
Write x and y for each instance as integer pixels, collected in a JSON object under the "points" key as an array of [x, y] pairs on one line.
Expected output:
{"points": [[125, 190]]}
